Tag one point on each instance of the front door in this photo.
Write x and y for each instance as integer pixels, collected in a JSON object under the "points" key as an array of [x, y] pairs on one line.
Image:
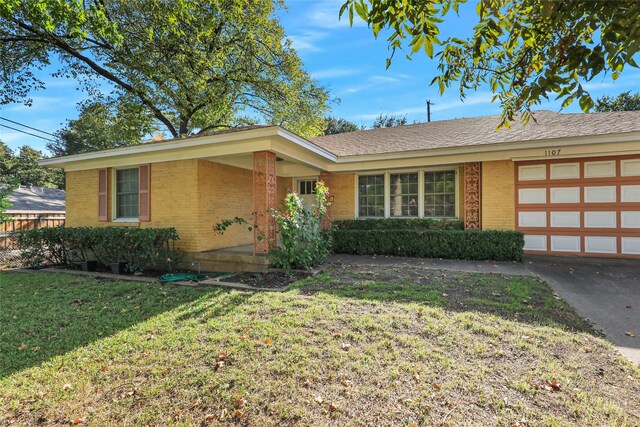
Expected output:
{"points": [[306, 188]]}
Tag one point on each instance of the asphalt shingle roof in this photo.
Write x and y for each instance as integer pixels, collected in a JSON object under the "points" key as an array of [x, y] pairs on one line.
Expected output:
{"points": [[29, 198], [477, 131]]}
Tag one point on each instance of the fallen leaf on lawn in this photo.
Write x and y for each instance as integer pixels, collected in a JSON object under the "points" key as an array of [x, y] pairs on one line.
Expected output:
{"points": [[421, 309], [66, 387], [219, 365], [333, 407], [554, 385], [245, 338], [268, 341], [223, 355], [586, 349], [336, 335], [629, 334], [22, 346], [34, 349], [246, 330], [346, 393], [444, 294], [346, 346], [209, 417], [238, 414], [78, 420], [436, 386], [240, 401], [416, 376], [347, 383], [319, 399]]}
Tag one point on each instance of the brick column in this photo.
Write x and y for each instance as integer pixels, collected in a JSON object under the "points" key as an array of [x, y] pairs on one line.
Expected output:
{"points": [[472, 196], [264, 198]]}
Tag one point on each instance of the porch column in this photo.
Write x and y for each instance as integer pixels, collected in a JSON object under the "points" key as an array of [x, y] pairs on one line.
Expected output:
{"points": [[472, 196], [326, 220], [264, 198]]}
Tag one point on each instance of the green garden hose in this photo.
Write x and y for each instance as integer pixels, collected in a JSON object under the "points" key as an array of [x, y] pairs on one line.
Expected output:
{"points": [[182, 277]]}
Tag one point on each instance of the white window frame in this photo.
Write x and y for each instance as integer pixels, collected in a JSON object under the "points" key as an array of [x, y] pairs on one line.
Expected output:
{"points": [[386, 195], [387, 190], [114, 195]]}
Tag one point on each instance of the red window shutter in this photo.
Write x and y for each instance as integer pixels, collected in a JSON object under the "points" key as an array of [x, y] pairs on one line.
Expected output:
{"points": [[144, 191], [103, 190]]}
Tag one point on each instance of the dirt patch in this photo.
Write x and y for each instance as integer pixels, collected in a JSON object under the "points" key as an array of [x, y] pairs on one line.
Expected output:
{"points": [[269, 280]]}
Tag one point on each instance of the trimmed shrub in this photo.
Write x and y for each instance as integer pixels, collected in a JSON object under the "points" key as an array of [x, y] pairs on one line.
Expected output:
{"points": [[448, 244], [143, 249], [399, 224]]}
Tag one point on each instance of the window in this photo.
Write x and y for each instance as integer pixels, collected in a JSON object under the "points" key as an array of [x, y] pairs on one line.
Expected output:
{"points": [[404, 194], [371, 196], [440, 194], [307, 187], [127, 193]]}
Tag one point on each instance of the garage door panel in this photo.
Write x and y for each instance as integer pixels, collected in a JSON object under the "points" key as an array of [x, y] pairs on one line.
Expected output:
{"points": [[565, 194], [586, 207]]}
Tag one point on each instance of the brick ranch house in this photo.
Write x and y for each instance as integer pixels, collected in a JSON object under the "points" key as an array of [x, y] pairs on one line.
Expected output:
{"points": [[570, 182]]}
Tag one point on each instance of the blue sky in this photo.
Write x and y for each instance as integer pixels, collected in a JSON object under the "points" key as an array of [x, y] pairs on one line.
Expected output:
{"points": [[348, 61]]}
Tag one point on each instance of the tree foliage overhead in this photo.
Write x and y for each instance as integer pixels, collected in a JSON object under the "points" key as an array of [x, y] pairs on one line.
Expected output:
{"points": [[101, 126], [524, 50], [194, 66], [623, 102]]}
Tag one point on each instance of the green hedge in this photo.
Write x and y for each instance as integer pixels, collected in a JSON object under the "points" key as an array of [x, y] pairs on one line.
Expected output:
{"points": [[143, 249], [449, 244], [399, 224]]}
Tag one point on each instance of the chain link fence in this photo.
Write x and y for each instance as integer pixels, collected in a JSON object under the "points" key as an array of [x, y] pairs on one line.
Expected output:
{"points": [[24, 220]]}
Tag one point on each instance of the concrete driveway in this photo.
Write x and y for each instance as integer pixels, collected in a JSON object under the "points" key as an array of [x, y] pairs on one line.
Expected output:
{"points": [[604, 291]]}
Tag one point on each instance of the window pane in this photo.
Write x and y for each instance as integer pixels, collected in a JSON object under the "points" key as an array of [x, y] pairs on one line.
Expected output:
{"points": [[127, 193], [404, 194], [440, 194], [371, 196]]}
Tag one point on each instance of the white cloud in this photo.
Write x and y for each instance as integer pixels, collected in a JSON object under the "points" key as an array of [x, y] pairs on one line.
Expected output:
{"points": [[334, 72], [42, 104], [436, 107], [326, 14], [307, 40]]}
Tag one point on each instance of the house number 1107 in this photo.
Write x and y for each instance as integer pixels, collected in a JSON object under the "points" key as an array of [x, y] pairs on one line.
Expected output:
{"points": [[552, 152]]}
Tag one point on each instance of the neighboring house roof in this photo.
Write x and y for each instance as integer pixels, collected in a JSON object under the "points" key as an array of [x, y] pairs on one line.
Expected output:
{"points": [[477, 131], [29, 198]]}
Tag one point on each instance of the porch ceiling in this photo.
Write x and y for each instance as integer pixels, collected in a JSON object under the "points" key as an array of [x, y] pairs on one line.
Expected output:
{"points": [[287, 167]]}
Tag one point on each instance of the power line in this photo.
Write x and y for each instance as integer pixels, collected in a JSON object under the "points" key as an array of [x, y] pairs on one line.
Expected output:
{"points": [[26, 126], [28, 133]]}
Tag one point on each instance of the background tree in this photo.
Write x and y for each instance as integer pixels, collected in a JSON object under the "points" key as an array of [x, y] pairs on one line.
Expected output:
{"points": [[194, 66], [23, 168], [7, 183], [337, 125], [623, 102], [525, 51], [388, 120], [101, 126]]}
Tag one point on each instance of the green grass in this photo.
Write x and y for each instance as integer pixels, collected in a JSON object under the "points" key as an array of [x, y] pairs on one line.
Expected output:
{"points": [[371, 347]]}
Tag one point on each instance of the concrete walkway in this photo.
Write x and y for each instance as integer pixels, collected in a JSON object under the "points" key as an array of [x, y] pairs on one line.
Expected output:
{"points": [[603, 291]]}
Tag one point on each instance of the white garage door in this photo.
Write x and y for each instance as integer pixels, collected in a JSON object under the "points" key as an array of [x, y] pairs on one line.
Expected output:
{"points": [[586, 207]]}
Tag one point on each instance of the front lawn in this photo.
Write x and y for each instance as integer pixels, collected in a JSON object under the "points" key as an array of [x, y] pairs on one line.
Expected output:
{"points": [[368, 346]]}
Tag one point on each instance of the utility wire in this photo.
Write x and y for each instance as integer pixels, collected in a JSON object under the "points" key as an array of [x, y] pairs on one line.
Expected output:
{"points": [[28, 133], [26, 126]]}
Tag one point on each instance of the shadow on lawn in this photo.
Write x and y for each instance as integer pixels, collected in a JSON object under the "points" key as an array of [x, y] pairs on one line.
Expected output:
{"points": [[516, 298], [45, 315]]}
